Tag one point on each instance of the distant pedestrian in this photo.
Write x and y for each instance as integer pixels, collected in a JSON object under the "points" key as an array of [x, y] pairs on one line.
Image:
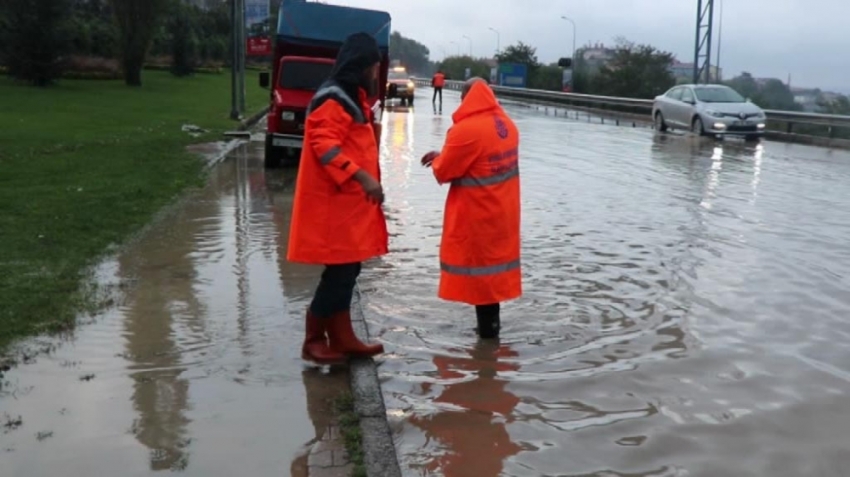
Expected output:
{"points": [[337, 219], [437, 82], [480, 248]]}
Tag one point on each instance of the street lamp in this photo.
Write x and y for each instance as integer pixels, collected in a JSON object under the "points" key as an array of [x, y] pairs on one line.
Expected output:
{"points": [[456, 44], [574, 37], [470, 45], [498, 46]]}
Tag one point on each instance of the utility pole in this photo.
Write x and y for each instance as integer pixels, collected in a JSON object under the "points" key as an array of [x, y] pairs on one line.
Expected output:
{"points": [[242, 54], [234, 61], [719, 42], [702, 46]]}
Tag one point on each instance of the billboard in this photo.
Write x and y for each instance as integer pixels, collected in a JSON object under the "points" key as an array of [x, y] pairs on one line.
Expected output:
{"points": [[513, 74], [258, 28]]}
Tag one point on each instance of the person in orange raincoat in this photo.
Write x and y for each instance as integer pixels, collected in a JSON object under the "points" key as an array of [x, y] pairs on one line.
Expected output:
{"points": [[480, 249], [337, 219], [437, 82]]}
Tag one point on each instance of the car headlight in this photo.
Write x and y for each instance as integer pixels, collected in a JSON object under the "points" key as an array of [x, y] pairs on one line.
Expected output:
{"points": [[713, 113], [287, 116], [410, 85]]}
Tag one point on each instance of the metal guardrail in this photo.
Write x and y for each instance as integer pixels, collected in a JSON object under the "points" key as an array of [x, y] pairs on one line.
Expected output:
{"points": [[632, 106]]}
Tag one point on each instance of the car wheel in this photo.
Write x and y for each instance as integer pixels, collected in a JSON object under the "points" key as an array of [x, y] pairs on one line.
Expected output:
{"points": [[697, 127], [272, 154], [410, 101], [291, 157], [660, 125]]}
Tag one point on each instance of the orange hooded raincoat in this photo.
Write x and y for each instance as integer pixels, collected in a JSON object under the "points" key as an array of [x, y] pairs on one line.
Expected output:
{"points": [[333, 222], [480, 250]]}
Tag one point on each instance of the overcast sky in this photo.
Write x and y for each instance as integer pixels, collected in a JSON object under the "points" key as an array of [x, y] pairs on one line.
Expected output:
{"points": [[809, 39]]}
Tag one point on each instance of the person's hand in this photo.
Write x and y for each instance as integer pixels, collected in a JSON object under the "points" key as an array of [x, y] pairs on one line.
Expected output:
{"points": [[427, 159], [372, 188]]}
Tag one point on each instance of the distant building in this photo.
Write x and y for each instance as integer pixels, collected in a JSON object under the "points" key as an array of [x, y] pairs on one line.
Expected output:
{"points": [[806, 98], [595, 57], [684, 72]]}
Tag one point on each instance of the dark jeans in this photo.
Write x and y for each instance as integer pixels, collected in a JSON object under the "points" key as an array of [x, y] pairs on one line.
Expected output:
{"points": [[438, 90], [335, 289], [489, 322]]}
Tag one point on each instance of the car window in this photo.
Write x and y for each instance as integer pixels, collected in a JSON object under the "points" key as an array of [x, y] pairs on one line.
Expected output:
{"points": [[675, 93], [397, 75], [719, 95], [687, 95]]}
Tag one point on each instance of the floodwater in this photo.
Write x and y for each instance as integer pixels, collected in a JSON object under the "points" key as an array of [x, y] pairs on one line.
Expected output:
{"points": [[683, 315], [197, 368], [685, 310]]}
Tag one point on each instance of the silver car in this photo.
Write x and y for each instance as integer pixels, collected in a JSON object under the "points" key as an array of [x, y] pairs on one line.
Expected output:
{"points": [[708, 110]]}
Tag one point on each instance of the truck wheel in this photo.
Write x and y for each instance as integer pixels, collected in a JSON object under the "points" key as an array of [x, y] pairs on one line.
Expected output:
{"points": [[410, 101], [291, 157], [272, 157]]}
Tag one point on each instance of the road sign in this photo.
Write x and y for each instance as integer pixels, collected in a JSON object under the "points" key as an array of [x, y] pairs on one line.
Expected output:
{"points": [[513, 74], [258, 27]]}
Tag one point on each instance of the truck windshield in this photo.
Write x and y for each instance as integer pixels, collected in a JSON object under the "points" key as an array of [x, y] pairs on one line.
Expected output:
{"points": [[718, 95], [304, 75]]}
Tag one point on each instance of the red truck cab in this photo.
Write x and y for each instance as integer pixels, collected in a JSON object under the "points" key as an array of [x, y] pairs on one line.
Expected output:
{"points": [[309, 36], [296, 81]]}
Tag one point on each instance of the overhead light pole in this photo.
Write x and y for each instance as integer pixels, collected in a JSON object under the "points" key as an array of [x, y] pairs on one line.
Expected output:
{"points": [[470, 44], [574, 35], [498, 41]]}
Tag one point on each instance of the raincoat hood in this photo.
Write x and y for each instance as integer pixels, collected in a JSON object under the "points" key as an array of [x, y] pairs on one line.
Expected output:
{"points": [[479, 99], [358, 52]]}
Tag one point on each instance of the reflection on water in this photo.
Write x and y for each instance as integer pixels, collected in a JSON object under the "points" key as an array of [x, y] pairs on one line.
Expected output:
{"points": [[198, 369], [682, 313], [471, 411]]}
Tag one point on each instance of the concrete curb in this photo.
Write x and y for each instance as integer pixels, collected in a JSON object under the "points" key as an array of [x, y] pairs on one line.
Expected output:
{"points": [[244, 125], [251, 121], [378, 448]]}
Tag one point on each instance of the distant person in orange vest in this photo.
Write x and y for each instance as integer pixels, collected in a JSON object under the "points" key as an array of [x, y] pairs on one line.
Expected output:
{"points": [[437, 82], [480, 249], [337, 219]]}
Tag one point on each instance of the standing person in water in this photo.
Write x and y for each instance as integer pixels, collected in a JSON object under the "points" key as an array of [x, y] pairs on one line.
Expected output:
{"points": [[337, 219], [437, 82], [480, 249]]}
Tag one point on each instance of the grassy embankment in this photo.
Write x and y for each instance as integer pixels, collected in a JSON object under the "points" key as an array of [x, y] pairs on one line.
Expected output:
{"points": [[82, 166]]}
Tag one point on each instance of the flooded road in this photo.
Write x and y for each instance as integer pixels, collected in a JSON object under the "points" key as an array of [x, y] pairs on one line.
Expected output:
{"points": [[684, 315], [197, 369], [685, 310]]}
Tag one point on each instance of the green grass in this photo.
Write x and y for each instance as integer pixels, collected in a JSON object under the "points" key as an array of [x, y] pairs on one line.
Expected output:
{"points": [[83, 165], [349, 426]]}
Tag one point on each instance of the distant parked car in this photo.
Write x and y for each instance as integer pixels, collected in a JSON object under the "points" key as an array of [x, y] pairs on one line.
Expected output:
{"points": [[708, 110]]}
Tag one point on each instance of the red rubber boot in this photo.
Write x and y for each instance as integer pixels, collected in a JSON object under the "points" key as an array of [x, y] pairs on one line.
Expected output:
{"points": [[315, 346], [343, 340]]}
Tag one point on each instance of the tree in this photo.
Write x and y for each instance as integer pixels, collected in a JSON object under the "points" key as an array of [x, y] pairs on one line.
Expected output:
{"points": [[521, 54], [412, 54], [137, 21], [839, 105], [769, 94], [33, 38], [182, 39], [454, 67], [635, 71]]}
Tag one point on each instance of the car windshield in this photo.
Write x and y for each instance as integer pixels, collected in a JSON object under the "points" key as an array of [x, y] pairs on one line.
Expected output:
{"points": [[304, 75], [719, 95], [397, 75]]}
